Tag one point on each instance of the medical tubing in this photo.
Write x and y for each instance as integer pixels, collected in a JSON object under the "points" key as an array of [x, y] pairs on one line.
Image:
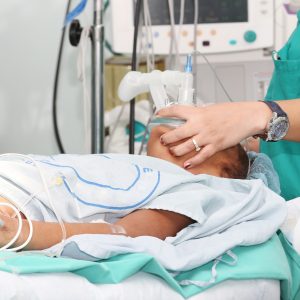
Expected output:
{"points": [[181, 19], [70, 16], [28, 220], [215, 73], [144, 139], [17, 210], [16, 236], [146, 35], [149, 37], [56, 81], [196, 15], [27, 241], [173, 32], [137, 13], [186, 90], [114, 128], [59, 219], [81, 74]]}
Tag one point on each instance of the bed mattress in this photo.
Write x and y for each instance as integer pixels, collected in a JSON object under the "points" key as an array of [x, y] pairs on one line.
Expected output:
{"points": [[64, 286]]}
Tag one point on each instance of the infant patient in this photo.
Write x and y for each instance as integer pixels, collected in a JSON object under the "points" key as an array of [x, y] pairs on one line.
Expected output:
{"points": [[229, 163]]}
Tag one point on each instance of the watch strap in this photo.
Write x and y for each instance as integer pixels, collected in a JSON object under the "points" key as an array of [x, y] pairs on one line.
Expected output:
{"points": [[276, 112], [275, 108]]}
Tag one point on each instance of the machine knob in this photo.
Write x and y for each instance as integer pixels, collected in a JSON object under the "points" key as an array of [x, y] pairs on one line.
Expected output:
{"points": [[250, 36], [75, 33]]}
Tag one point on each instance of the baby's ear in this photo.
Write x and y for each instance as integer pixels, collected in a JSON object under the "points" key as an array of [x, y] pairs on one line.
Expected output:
{"points": [[226, 172]]}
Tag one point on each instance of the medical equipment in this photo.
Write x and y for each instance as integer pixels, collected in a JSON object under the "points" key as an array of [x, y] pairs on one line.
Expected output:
{"points": [[96, 33], [223, 26], [135, 83], [15, 207]]}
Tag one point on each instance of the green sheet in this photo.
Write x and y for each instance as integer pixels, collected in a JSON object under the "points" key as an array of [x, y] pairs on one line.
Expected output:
{"points": [[294, 262], [267, 260]]}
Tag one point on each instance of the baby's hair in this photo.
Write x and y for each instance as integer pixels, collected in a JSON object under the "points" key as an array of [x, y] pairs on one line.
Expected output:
{"points": [[234, 163]]}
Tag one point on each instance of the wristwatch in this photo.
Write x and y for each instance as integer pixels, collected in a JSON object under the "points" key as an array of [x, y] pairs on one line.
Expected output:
{"points": [[279, 124]]}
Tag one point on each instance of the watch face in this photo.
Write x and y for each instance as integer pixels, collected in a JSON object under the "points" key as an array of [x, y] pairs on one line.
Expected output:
{"points": [[279, 128]]}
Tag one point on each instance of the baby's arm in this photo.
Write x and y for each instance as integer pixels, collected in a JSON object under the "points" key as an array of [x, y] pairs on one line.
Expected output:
{"points": [[6, 210], [157, 223]]}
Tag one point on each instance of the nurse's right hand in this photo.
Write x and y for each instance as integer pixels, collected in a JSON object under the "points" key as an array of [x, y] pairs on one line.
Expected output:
{"points": [[214, 127]]}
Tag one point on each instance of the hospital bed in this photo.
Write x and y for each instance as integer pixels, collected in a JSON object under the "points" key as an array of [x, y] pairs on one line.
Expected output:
{"points": [[140, 286], [66, 285]]}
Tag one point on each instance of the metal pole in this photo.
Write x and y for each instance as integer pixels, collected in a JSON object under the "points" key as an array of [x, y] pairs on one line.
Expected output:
{"points": [[97, 105]]}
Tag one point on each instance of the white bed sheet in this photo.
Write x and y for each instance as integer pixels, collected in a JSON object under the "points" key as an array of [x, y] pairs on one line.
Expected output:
{"points": [[143, 286]]}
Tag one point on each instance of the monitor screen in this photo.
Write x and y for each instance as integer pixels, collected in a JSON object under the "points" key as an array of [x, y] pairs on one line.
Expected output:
{"points": [[210, 11]]}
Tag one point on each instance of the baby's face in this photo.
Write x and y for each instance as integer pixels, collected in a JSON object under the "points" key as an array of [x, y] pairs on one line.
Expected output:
{"points": [[156, 149]]}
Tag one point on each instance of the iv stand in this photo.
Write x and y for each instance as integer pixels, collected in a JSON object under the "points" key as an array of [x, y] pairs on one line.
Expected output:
{"points": [[97, 102]]}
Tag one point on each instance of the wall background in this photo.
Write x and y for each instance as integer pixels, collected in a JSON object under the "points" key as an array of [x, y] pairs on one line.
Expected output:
{"points": [[29, 35]]}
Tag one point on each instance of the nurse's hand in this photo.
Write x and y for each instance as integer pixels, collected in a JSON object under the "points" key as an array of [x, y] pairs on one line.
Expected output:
{"points": [[214, 127]]}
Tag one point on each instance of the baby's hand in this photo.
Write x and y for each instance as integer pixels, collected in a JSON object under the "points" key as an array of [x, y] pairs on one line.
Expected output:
{"points": [[8, 229], [6, 210]]}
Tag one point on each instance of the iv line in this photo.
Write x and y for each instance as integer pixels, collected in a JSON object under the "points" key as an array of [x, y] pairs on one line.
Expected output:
{"points": [[17, 213]]}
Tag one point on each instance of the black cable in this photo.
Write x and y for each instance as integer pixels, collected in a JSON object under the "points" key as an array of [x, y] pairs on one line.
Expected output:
{"points": [[137, 14], [56, 80]]}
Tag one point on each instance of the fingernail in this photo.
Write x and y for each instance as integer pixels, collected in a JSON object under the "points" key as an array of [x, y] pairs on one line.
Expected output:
{"points": [[187, 165]]}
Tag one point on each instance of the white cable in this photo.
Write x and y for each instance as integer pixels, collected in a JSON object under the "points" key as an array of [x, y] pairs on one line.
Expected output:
{"points": [[173, 32], [148, 24], [59, 219], [145, 133], [195, 69], [81, 74], [181, 19], [29, 235], [16, 236], [146, 34], [113, 131], [21, 209], [215, 73]]}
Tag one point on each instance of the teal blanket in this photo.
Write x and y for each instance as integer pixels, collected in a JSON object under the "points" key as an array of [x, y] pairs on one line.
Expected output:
{"points": [[267, 260]]}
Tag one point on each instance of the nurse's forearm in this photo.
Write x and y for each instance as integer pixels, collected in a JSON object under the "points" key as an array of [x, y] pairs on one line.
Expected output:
{"points": [[292, 108]]}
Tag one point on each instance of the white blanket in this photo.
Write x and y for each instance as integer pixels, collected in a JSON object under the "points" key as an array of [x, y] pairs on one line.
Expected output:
{"points": [[105, 187]]}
